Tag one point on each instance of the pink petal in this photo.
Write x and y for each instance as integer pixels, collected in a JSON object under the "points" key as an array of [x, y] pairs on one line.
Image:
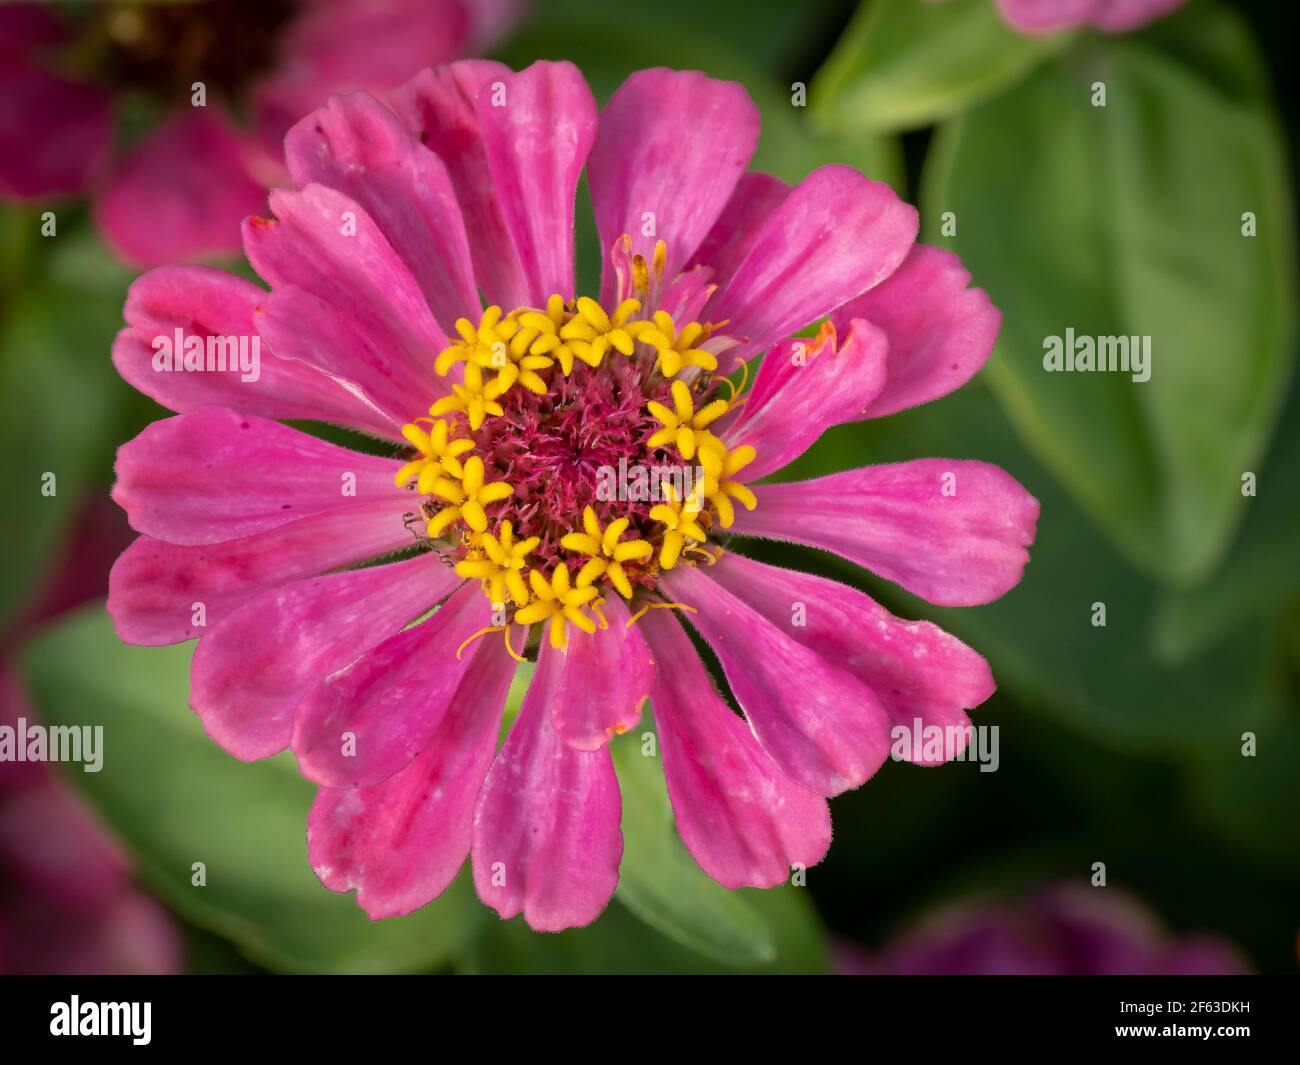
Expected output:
{"points": [[743, 821], [833, 237], [1125, 16], [204, 302], [400, 843], [438, 105], [247, 676], [1109, 16], [940, 332], [537, 135], [958, 549], [603, 682], [546, 828], [54, 133], [154, 587], [181, 192], [672, 144], [1048, 16], [327, 244], [915, 669], [212, 475], [822, 727], [388, 703], [305, 329], [804, 387], [356, 145], [732, 237]]}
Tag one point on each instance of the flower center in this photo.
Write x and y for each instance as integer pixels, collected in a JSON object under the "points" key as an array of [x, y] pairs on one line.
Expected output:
{"points": [[574, 455]]}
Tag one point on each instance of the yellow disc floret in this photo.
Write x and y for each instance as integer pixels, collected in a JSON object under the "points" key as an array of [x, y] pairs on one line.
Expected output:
{"points": [[439, 454], [560, 603], [678, 350], [499, 564], [608, 552], [474, 397], [680, 518], [466, 498], [557, 576], [685, 426], [720, 488]]}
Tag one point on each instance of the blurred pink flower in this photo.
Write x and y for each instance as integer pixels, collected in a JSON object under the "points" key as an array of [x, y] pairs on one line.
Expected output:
{"points": [[376, 261], [68, 904], [1067, 929], [1108, 16], [181, 191]]}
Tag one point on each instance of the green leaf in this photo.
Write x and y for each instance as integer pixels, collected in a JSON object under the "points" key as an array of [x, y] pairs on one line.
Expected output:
{"points": [[1252, 801], [1104, 682], [788, 146], [902, 64], [175, 798], [62, 404], [660, 882], [619, 944], [1262, 573], [1120, 221]]}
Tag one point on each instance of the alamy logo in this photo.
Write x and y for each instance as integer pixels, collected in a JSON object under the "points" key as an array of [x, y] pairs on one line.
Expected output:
{"points": [[1085, 354], [179, 353], [919, 742], [22, 742], [653, 484], [102, 1018]]}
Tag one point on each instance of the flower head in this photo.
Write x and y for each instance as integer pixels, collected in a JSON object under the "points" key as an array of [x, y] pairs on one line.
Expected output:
{"points": [[565, 471]]}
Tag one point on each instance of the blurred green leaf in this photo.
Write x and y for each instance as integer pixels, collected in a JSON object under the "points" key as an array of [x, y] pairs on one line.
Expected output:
{"points": [[1104, 682], [902, 64], [175, 798], [62, 406], [618, 943], [660, 882], [1261, 575], [1126, 220], [771, 34], [600, 46], [1252, 801]]}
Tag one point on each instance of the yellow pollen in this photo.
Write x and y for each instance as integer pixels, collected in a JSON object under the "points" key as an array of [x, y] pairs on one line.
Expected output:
{"points": [[499, 564], [680, 521], [720, 467], [439, 455], [678, 350], [475, 398], [608, 553], [685, 426], [524, 347], [558, 602], [466, 498]]}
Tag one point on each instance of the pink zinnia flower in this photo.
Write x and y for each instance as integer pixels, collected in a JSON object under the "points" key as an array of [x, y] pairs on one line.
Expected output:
{"points": [[181, 191], [515, 426], [1108, 16]]}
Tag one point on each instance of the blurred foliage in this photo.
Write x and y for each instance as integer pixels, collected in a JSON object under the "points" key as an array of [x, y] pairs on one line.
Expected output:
{"points": [[901, 64], [1119, 744], [1124, 243]]}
